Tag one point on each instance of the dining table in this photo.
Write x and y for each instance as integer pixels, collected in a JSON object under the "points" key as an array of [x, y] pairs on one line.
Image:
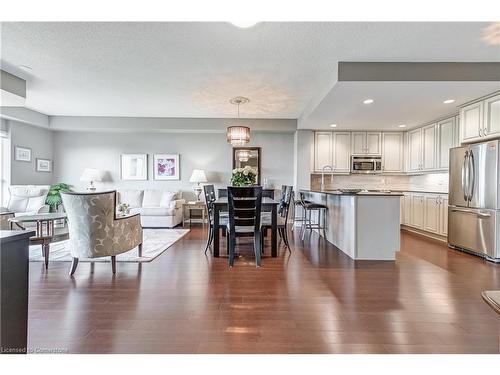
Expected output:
{"points": [[267, 205]]}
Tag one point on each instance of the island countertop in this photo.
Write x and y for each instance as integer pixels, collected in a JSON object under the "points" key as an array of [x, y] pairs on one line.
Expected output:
{"points": [[361, 193]]}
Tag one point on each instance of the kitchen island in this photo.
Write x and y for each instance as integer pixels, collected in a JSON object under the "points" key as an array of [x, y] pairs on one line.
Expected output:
{"points": [[363, 225]]}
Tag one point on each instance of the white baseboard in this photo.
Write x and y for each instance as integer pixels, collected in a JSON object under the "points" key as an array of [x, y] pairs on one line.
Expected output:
{"points": [[424, 233]]}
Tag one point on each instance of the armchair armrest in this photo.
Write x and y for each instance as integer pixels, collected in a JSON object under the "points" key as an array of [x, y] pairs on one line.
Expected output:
{"points": [[128, 232], [177, 203]]}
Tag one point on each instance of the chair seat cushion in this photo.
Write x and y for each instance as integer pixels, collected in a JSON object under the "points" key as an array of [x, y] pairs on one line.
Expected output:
{"points": [[153, 211]]}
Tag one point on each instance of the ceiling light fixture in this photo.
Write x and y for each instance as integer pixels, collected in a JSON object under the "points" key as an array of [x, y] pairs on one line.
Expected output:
{"points": [[238, 135], [368, 101], [333, 125], [402, 126], [244, 24], [448, 101]]}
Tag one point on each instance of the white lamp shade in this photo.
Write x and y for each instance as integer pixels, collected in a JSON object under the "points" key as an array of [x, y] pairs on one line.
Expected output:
{"points": [[198, 175], [91, 174]]}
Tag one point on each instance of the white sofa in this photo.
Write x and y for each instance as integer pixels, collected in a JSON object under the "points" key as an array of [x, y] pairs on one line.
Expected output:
{"points": [[28, 199], [158, 208]]}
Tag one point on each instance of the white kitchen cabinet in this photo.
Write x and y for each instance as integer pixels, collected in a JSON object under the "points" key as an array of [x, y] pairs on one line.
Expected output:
{"points": [[471, 122], [341, 152], [429, 146], [392, 152], [402, 210], [407, 209], [431, 213], [443, 215], [415, 150], [323, 150], [366, 143], [447, 135], [491, 118], [417, 211]]}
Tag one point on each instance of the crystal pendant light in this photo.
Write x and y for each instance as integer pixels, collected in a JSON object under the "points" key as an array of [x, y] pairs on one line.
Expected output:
{"points": [[238, 135]]}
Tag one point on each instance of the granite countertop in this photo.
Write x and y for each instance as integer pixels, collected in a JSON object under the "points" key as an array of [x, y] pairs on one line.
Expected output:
{"points": [[361, 193]]}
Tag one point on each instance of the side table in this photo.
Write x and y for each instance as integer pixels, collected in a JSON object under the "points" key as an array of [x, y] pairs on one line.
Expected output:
{"points": [[190, 206]]}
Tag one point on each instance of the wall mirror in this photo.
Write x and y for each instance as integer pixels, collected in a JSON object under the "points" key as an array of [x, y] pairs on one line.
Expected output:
{"points": [[243, 156]]}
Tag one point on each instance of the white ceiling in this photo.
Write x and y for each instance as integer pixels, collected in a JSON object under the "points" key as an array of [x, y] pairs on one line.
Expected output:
{"points": [[395, 103], [193, 69]]}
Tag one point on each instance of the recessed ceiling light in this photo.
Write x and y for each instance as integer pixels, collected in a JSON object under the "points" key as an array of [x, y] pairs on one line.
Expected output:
{"points": [[402, 126], [448, 101], [25, 67], [368, 101], [244, 24], [333, 125]]}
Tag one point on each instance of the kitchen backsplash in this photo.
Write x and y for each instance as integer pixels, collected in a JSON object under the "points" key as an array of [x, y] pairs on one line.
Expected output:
{"points": [[432, 182]]}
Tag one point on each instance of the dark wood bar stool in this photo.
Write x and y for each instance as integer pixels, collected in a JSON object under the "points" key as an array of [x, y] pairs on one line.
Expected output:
{"points": [[308, 209]]}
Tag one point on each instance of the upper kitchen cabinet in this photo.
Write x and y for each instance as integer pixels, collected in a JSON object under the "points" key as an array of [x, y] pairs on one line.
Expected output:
{"points": [[491, 117], [341, 152], [392, 152], [366, 143], [471, 122], [447, 134], [332, 149], [415, 150], [429, 135], [323, 150]]}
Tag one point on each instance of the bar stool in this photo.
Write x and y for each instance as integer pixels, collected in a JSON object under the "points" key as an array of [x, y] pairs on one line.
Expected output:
{"points": [[310, 207], [300, 218]]}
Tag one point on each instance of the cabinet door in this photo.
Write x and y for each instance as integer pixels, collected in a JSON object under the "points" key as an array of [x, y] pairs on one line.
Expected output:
{"points": [[431, 213], [492, 117], [415, 150], [392, 152], [407, 209], [402, 210], [429, 147], [358, 142], [471, 122], [342, 152], [443, 225], [374, 143], [446, 140], [323, 151], [417, 211]]}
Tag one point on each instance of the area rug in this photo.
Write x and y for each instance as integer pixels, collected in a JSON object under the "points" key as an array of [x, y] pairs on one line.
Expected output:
{"points": [[155, 242]]}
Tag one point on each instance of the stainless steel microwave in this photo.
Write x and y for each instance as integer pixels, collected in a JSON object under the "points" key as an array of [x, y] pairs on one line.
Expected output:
{"points": [[366, 164]]}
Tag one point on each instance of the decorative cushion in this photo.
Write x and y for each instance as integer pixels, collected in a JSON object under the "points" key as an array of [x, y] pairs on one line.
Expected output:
{"points": [[17, 203], [152, 198], [132, 197], [166, 198], [34, 203], [153, 211]]}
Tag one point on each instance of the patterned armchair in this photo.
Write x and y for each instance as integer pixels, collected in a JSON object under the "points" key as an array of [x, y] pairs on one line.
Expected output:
{"points": [[94, 229]]}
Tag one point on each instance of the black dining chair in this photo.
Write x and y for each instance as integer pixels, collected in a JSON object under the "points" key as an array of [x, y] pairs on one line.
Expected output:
{"points": [[244, 219], [283, 209], [268, 193], [210, 198], [222, 193]]}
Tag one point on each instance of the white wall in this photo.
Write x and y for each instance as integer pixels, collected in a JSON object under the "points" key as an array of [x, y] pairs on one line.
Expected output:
{"points": [[40, 141], [75, 151]]}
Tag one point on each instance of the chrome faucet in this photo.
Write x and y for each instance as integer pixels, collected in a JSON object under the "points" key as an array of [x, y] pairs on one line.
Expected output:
{"points": [[323, 175]]}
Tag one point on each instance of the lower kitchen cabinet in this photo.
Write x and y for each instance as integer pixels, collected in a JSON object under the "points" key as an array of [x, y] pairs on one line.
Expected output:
{"points": [[426, 212]]}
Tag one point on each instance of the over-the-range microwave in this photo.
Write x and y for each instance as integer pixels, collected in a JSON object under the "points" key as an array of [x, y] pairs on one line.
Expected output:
{"points": [[366, 164]]}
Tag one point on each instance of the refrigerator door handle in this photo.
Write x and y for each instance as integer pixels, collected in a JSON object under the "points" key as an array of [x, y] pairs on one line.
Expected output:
{"points": [[471, 172], [465, 173], [479, 214]]}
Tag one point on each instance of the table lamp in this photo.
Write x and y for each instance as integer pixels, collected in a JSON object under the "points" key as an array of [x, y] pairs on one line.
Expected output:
{"points": [[198, 176], [92, 175]]}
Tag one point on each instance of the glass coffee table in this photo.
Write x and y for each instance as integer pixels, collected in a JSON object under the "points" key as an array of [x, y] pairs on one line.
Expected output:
{"points": [[46, 231]]}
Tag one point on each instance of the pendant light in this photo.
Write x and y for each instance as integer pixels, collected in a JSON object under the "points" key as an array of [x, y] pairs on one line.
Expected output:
{"points": [[238, 135]]}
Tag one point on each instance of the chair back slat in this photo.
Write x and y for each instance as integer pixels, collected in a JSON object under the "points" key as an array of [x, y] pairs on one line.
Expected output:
{"points": [[268, 193], [222, 193], [209, 192], [244, 206]]}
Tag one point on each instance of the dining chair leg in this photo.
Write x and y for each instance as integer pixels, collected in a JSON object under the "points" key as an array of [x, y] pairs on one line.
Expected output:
{"points": [[228, 243], [209, 237], [257, 249], [113, 264], [232, 244], [140, 249], [285, 238], [74, 264]]}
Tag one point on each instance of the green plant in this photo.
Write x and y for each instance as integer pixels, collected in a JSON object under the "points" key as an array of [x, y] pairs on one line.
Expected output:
{"points": [[54, 196], [244, 176]]}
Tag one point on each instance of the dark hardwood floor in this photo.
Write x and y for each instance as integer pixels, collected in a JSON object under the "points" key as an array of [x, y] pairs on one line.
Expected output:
{"points": [[315, 300]]}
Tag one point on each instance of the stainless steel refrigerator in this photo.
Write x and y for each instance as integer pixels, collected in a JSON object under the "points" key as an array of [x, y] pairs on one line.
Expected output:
{"points": [[474, 199]]}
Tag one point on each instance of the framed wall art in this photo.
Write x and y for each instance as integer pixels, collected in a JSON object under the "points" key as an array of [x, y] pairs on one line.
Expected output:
{"points": [[166, 167], [43, 165], [22, 153], [134, 167]]}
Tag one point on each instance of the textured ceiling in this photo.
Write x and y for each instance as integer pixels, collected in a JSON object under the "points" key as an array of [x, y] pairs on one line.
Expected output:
{"points": [[193, 69]]}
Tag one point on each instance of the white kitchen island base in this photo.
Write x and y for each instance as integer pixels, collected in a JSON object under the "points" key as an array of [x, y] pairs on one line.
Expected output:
{"points": [[363, 226]]}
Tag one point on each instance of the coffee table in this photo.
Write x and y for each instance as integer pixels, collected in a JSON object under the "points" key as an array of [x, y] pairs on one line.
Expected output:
{"points": [[46, 233]]}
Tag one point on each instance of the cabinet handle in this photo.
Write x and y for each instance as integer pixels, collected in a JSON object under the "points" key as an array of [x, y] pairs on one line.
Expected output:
{"points": [[485, 132]]}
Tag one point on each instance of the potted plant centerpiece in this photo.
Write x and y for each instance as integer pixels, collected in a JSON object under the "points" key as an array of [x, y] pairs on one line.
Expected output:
{"points": [[246, 176], [54, 200]]}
